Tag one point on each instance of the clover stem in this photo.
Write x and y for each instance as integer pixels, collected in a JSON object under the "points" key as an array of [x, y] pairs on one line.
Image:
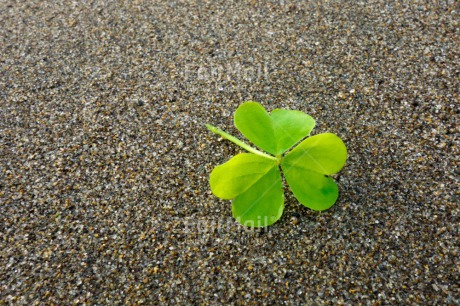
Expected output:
{"points": [[239, 142]]}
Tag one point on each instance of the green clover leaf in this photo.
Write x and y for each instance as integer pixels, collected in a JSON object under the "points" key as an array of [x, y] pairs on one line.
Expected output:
{"points": [[253, 180], [238, 174], [275, 133], [307, 165]]}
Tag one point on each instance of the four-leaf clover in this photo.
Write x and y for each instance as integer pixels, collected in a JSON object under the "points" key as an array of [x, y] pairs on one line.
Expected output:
{"points": [[253, 180]]}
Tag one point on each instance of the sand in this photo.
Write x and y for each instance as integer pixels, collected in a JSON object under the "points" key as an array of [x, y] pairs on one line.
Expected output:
{"points": [[105, 159]]}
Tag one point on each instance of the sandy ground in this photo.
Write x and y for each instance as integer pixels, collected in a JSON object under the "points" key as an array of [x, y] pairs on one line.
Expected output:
{"points": [[105, 159]]}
